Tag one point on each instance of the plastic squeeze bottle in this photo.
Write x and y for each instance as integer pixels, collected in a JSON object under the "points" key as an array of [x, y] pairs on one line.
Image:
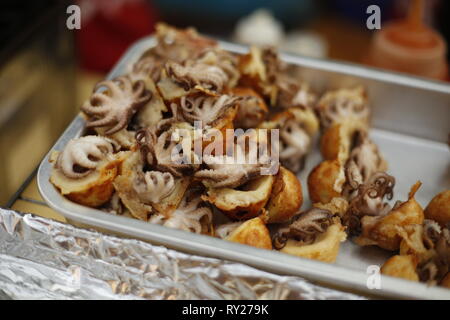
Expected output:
{"points": [[410, 46]]}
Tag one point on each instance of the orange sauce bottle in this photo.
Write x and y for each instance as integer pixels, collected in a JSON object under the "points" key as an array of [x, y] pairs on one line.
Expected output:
{"points": [[410, 46]]}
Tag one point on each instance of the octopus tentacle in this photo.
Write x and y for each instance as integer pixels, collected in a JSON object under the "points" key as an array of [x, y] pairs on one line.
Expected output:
{"points": [[115, 106], [101, 122], [83, 153], [305, 227]]}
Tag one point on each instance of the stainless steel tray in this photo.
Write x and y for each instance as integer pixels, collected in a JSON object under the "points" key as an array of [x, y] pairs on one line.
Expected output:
{"points": [[411, 119]]}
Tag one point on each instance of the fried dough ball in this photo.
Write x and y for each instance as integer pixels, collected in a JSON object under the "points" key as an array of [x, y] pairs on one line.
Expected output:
{"points": [[171, 202], [428, 246], [85, 169], [92, 191], [325, 181], [135, 199], [383, 231], [338, 139], [296, 129], [192, 214], [325, 247], [304, 117], [412, 242], [401, 266], [252, 108], [252, 232], [286, 197], [124, 186], [245, 203], [336, 106], [439, 208], [259, 69], [151, 113]]}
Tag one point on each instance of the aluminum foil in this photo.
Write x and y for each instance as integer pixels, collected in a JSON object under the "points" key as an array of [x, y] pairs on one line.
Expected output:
{"points": [[45, 259]]}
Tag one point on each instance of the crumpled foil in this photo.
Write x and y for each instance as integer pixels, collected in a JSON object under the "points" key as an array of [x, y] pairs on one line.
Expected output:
{"points": [[44, 259]]}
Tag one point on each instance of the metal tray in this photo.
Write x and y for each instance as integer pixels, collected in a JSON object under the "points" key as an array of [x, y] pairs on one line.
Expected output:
{"points": [[411, 117]]}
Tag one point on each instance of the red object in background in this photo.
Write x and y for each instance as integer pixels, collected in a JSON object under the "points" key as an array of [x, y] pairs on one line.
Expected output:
{"points": [[108, 28], [409, 45]]}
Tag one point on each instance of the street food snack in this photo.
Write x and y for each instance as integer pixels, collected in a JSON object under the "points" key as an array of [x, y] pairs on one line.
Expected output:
{"points": [[424, 254], [379, 223], [297, 128], [314, 234], [401, 267], [252, 232], [245, 203], [285, 199], [351, 159], [160, 131], [84, 171], [344, 105], [252, 108], [439, 208], [211, 142]]}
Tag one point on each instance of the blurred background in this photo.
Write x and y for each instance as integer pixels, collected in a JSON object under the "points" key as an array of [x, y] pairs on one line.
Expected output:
{"points": [[47, 71]]}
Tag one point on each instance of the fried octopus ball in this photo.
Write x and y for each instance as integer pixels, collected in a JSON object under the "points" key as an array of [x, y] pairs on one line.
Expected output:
{"points": [[252, 232], [325, 181], [401, 267], [439, 208], [245, 203], [385, 231], [325, 248], [286, 197]]}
